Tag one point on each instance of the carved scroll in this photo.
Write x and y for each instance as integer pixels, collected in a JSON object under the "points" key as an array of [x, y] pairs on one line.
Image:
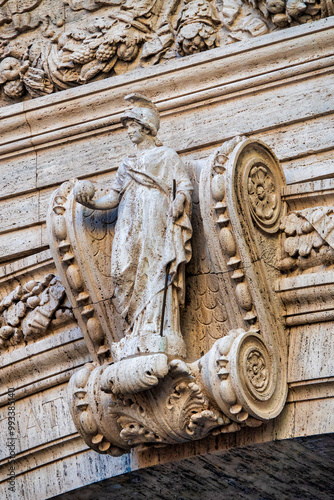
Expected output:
{"points": [[81, 240], [242, 188]]}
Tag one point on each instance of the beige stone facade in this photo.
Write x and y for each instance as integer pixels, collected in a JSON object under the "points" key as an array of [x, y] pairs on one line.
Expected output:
{"points": [[272, 277]]}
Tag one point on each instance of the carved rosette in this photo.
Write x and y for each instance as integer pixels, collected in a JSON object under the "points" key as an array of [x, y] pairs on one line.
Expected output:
{"points": [[240, 373], [264, 196], [254, 373]]}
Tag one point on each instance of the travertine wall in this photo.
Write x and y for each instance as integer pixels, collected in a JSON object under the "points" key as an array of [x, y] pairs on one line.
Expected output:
{"points": [[277, 88]]}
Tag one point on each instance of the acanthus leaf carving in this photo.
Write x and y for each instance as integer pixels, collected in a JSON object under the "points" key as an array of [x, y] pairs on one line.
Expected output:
{"points": [[190, 402]]}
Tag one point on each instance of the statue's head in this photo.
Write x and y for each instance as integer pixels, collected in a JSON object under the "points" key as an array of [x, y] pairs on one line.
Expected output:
{"points": [[143, 113], [136, 130]]}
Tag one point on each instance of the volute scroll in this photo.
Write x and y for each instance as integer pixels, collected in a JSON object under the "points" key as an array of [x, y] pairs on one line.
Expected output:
{"points": [[242, 187]]}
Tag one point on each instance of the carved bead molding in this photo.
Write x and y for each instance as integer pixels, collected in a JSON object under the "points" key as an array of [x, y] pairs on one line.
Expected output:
{"points": [[51, 45], [80, 240], [153, 399]]}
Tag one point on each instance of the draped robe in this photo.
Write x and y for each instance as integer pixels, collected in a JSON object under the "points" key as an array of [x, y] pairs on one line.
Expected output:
{"points": [[147, 239]]}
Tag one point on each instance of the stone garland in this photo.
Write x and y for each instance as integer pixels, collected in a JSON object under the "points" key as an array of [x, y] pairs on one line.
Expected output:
{"points": [[40, 54], [30, 309]]}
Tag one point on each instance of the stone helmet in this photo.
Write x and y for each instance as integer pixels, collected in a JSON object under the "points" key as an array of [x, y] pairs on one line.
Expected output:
{"points": [[143, 111]]}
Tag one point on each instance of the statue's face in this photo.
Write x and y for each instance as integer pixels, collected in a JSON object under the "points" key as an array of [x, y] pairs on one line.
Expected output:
{"points": [[136, 131]]}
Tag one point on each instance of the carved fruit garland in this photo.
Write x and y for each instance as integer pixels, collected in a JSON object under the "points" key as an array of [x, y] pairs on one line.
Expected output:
{"points": [[29, 310]]}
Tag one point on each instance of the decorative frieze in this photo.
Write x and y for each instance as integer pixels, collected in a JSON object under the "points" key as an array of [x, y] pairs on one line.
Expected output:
{"points": [[48, 45], [308, 241]]}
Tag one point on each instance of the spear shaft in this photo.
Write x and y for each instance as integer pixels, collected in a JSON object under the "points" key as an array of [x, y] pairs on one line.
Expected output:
{"points": [[166, 279]]}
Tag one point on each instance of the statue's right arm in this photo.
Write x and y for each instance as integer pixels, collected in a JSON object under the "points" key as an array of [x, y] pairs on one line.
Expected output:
{"points": [[110, 200], [84, 192]]}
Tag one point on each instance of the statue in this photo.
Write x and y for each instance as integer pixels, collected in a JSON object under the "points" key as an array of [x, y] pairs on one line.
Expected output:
{"points": [[152, 236], [123, 271]]}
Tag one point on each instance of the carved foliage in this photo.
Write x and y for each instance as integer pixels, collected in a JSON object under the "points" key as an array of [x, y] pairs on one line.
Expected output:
{"points": [[26, 313], [59, 58], [198, 27], [283, 13], [228, 388], [309, 240], [49, 45]]}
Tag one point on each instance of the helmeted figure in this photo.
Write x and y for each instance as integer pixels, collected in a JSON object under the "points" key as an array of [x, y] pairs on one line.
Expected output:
{"points": [[152, 236]]}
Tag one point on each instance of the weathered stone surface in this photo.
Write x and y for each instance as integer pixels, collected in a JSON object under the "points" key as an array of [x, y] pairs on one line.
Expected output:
{"points": [[276, 88]]}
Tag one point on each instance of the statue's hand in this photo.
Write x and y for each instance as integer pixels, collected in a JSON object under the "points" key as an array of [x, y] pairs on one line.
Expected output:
{"points": [[177, 208], [84, 192]]}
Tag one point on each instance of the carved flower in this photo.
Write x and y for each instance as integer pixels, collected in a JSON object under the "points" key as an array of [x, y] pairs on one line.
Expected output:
{"points": [[261, 190], [257, 371]]}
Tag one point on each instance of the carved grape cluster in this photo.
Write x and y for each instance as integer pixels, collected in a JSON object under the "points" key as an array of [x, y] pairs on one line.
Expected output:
{"points": [[83, 54], [106, 51]]}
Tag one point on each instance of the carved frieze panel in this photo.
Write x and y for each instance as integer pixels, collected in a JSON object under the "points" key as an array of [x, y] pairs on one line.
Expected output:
{"points": [[30, 310], [306, 263], [48, 45], [308, 239]]}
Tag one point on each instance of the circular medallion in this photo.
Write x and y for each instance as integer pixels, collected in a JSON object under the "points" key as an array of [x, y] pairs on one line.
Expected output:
{"points": [[256, 368], [253, 371]]}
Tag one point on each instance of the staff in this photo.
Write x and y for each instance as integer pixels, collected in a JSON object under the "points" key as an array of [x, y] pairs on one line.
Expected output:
{"points": [[166, 280]]}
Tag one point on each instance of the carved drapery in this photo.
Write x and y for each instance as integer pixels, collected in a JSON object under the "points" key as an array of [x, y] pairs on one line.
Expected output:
{"points": [[152, 400]]}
